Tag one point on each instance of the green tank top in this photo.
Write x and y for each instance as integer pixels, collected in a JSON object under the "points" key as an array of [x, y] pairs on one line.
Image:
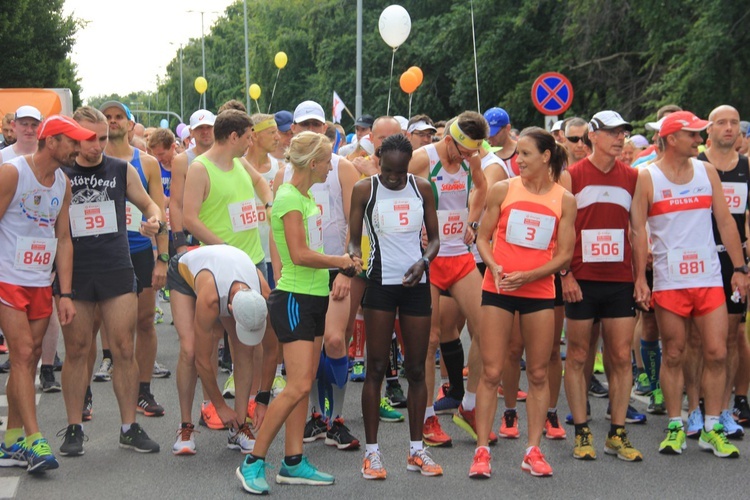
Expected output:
{"points": [[229, 210]]}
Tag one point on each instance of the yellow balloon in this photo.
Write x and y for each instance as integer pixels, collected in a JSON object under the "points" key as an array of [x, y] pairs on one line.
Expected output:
{"points": [[201, 85], [254, 91], [280, 60]]}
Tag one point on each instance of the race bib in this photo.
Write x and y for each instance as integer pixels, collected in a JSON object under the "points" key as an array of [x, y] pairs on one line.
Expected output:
{"points": [[399, 216], [736, 195], [323, 200], [315, 232], [35, 254], [689, 264], [529, 229], [452, 224], [260, 208], [169, 224], [133, 217], [603, 245], [91, 219], [243, 215]]}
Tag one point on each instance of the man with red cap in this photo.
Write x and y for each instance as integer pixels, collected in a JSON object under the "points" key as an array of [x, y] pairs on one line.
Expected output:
{"points": [[35, 234], [677, 195]]}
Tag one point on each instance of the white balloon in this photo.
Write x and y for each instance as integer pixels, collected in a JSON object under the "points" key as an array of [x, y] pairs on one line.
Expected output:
{"points": [[394, 25]]}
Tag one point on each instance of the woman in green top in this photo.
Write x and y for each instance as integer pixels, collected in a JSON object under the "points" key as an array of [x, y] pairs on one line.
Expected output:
{"points": [[297, 308]]}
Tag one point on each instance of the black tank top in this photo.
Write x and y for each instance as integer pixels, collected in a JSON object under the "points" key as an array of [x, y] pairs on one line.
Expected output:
{"points": [[104, 182], [739, 174]]}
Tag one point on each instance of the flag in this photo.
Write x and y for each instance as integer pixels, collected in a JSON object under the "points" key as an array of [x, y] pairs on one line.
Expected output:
{"points": [[338, 107]]}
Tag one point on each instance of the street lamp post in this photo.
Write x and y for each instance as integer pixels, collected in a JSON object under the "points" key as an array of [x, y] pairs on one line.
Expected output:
{"points": [[182, 106], [203, 45]]}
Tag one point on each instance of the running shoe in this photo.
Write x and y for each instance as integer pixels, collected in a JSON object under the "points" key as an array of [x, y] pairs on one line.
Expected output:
{"points": [[434, 435], [372, 466], [164, 295], [160, 371], [569, 416], [481, 468], [620, 445], [5, 367], [741, 411], [14, 455], [40, 457], [242, 439], [209, 417], [104, 373], [631, 417], [642, 385], [731, 428], [467, 420], [57, 364], [148, 405], [596, 388], [225, 366], [523, 365], [340, 437], [521, 396], [422, 462], [446, 405], [88, 406], [137, 439], [395, 394], [185, 443], [358, 372], [158, 315], [465, 373], [252, 475], [674, 443], [302, 473], [228, 391], [509, 425], [552, 427], [251, 405], [656, 403], [599, 363], [73, 441], [47, 378], [315, 428], [695, 423], [535, 464], [584, 447], [278, 385], [716, 441], [388, 414], [3, 345]]}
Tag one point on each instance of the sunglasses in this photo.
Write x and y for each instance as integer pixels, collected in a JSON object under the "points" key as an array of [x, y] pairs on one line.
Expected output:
{"points": [[574, 138]]}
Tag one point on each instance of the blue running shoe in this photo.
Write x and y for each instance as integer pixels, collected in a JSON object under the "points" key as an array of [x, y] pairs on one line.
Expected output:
{"points": [[40, 457], [252, 475], [358, 372], [15, 455], [731, 429], [631, 417], [569, 416], [694, 424], [446, 405], [302, 473]]}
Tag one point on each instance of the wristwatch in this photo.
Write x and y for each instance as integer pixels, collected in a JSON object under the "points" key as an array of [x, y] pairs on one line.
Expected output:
{"points": [[474, 225], [162, 227], [742, 269], [426, 263], [164, 257], [564, 272]]}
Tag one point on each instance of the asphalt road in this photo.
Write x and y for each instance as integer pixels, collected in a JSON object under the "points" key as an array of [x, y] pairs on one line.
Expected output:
{"points": [[108, 471]]}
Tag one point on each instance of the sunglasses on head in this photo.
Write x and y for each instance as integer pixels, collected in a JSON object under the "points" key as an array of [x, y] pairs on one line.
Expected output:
{"points": [[574, 138]]}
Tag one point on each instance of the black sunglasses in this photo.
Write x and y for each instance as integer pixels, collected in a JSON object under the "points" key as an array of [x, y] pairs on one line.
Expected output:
{"points": [[574, 139]]}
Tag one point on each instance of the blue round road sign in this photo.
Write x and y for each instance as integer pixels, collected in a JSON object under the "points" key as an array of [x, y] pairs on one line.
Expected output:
{"points": [[552, 93]]}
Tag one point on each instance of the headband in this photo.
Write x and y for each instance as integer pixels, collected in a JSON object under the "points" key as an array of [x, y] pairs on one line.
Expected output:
{"points": [[261, 126], [458, 135]]}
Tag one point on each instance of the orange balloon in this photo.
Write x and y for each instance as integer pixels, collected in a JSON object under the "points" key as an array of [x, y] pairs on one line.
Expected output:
{"points": [[418, 72], [409, 82]]}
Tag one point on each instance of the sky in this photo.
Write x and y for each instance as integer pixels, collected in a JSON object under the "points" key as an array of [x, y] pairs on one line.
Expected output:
{"points": [[126, 45]]}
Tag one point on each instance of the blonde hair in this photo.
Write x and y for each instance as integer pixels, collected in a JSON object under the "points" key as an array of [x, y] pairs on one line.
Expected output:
{"points": [[307, 147], [89, 114]]}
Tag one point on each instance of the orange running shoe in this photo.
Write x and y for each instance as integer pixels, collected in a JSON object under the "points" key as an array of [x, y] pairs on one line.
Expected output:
{"points": [[209, 417], [535, 464], [480, 466], [509, 425], [251, 404], [434, 435], [466, 372], [423, 463], [372, 466], [552, 428], [521, 396], [467, 420]]}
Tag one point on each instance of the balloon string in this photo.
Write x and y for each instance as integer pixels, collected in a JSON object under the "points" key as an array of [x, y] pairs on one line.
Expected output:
{"points": [[410, 96], [390, 84], [257, 105], [476, 69], [273, 91]]}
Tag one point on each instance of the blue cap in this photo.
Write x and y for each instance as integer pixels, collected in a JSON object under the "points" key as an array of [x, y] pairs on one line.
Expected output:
{"points": [[284, 120], [117, 104], [349, 138], [497, 119]]}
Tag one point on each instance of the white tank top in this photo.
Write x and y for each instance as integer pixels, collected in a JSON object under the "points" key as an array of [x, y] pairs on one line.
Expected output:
{"points": [[684, 249], [27, 230], [330, 201], [264, 227], [452, 194]]}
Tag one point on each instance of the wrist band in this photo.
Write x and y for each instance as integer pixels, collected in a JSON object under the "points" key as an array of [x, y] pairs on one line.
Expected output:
{"points": [[263, 398], [179, 239]]}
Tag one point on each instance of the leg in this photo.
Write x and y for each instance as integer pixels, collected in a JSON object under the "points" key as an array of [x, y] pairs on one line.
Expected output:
{"points": [[713, 328], [415, 345], [538, 336], [146, 342], [512, 366], [673, 329], [379, 326], [555, 361], [468, 294], [51, 335], [242, 355], [75, 373], [692, 366], [733, 348], [618, 338], [183, 312], [577, 380], [429, 365]]}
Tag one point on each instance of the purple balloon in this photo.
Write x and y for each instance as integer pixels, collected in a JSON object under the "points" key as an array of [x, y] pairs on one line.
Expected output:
{"points": [[180, 128]]}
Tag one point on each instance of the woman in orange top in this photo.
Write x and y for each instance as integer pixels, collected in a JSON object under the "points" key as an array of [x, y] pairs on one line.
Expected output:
{"points": [[531, 219]]}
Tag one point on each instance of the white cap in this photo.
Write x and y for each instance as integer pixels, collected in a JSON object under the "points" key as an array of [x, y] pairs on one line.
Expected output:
{"points": [[249, 310], [655, 126], [202, 117], [28, 112], [605, 120], [185, 133], [420, 126], [402, 121], [309, 110], [366, 144], [557, 126]]}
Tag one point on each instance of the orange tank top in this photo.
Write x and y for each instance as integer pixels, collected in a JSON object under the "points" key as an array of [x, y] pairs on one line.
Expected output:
{"points": [[526, 237]]}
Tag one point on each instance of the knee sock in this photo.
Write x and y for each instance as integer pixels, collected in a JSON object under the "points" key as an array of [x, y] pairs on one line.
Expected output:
{"points": [[453, 357], [651, 354], [144, 388], [391, 373], [336, 375]]}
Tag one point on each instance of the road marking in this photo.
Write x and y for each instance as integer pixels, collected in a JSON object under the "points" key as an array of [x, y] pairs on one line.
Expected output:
{"points": [[8, 487]]}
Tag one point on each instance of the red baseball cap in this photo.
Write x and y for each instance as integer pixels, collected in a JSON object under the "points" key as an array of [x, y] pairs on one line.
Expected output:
{"points": [[682, 120], [59, 124]]}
